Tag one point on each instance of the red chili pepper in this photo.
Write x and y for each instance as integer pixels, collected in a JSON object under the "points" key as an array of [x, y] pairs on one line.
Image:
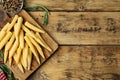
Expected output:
{"points": [[0, 60]]}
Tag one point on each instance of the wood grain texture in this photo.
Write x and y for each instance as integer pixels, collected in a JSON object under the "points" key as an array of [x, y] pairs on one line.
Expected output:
{"points": [[53, 45], [77, 5], [83, 28], [81, 63]]}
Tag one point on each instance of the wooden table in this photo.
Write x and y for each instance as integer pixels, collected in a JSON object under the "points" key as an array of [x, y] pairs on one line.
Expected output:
{"points": [[88, 32]]}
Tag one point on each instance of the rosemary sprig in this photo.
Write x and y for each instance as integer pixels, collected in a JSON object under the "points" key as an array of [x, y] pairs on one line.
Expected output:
{"points": [[8, 72], [37, 7], [4, 68], [1, 55]]}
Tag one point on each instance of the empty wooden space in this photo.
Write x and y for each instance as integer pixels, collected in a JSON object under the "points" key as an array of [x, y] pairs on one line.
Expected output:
{"points": [[78, 5], [81, 63], [93, 27]]}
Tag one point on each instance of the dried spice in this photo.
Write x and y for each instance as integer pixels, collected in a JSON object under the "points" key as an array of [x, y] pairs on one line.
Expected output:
{"points": [[12, 6]]}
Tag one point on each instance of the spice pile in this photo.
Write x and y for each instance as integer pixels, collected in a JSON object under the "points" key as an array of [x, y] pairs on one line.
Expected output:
{"points": [[12, 6]]}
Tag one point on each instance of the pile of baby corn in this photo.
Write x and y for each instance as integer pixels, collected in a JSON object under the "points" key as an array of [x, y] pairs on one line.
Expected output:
{"points": [[21, 41]]}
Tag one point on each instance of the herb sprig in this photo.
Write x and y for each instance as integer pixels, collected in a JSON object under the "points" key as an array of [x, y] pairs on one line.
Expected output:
{"points": [[37, 7], [4, 68], [8, 72], [1, 55]]}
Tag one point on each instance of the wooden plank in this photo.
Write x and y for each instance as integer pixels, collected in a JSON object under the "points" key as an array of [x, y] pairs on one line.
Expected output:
{"points": [[83, 28], [81, 63], [53, 45], [78, 5]]}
